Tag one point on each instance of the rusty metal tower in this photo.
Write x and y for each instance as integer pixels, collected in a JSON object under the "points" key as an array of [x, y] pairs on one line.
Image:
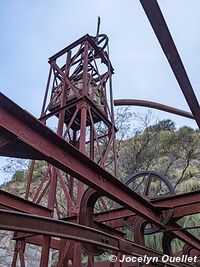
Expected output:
{"points": [[78, 99]]}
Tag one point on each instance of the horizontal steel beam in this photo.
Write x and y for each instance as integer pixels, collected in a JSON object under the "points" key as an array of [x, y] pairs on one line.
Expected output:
{"points": [[186, 210], [183, 204], [83, 39], [16, 221], [13, 202], [112, 215], [37, 240], [29, 138], [177, 201]]}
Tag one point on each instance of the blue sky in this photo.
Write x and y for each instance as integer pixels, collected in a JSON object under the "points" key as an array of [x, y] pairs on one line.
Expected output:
{"points": [[31, 31]]}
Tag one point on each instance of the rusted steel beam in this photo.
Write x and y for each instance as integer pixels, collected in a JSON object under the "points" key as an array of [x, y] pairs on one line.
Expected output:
{"points": [[177, 201], [112, 215], [164, 37], [186, 210], [85, 38], [99, 218], [16, 221], [38, 240], [154, 105], [183, 204], [32, 139], [108, 228], [185, 236], [69, 47], [189, 206], [115, 217], [13, 202], [181, 228], [86, 218]]}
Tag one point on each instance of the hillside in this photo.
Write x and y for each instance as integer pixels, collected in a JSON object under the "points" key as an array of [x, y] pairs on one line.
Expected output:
{"points": [[157, 146]]}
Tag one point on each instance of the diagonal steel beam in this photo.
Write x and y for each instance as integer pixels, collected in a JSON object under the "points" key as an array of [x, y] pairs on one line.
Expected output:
{"points": [[185, 236], [164, 37], [36, 141]]}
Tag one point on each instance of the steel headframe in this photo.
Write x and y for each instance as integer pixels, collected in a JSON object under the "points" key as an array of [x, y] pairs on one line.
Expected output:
{"points": [[77, 153]]}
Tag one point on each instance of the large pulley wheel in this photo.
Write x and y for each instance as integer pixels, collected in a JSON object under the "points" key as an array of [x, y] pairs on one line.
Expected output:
{"points": [[151, 185]]}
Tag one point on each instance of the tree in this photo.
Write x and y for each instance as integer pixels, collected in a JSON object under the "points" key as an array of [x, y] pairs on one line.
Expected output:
{"points": [[163, 125]]}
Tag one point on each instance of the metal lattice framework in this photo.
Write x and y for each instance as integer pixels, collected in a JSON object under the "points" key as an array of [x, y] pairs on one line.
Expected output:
{"points": [[81, 157]]}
